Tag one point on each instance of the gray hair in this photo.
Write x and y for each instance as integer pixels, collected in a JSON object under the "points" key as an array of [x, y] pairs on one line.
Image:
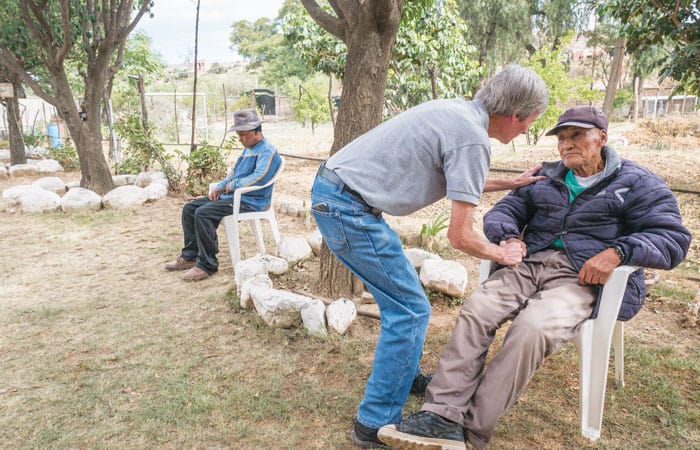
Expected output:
{"points": [[515, 90]]}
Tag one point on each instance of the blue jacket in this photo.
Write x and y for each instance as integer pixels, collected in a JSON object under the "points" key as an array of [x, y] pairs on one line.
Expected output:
{"points": [[630, 207], [256, 166]]}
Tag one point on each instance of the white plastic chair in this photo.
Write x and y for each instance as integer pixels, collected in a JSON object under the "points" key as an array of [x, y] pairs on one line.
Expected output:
{"points": [[231, 222], [593, 342]]}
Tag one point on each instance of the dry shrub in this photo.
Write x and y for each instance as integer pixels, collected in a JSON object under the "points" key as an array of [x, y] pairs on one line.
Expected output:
{"points": [[681, 130]]}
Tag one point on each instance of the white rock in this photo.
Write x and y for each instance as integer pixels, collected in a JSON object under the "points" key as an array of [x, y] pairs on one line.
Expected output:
{"points": [[158, 175], [19, 170], [279, 309], [313, 316], [273, 264], [32, 199], [258, 283], [418, 255], [123, 180], [340, 315], [155, 191], [143, 179], [296, 209], [48, 166], [294, 249], [81, 199], [161, 181], [51, 184], [72, 184], [3, 171], [11, 195], [125, 197], [448, 277], [245, 270], [315, 241]]}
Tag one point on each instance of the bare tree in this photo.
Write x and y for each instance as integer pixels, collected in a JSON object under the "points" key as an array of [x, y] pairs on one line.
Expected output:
{"points": [[68, 33]]}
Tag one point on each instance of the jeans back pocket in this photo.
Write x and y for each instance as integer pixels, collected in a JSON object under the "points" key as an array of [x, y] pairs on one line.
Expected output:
{"points": [[331, 227]]}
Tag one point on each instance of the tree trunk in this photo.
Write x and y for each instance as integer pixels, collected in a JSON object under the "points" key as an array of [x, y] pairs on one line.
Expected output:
{"points": [[615, 71], [369, 36], [14, 125], [87, 134]]}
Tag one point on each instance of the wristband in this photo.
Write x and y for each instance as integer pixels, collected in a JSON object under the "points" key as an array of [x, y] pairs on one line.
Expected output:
{"points": [[620, 252]]}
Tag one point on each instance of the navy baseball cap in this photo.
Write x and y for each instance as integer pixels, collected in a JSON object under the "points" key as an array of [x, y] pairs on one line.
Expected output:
{"points": [[582, 117]]}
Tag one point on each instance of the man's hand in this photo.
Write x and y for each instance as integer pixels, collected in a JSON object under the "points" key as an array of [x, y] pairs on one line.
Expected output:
{"points": [[513, 252], [527, 177], [598, 269], [506, 184], [215, 194]]}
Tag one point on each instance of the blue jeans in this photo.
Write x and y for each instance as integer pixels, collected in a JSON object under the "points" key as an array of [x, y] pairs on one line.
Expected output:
{"points": [[366, 245]]}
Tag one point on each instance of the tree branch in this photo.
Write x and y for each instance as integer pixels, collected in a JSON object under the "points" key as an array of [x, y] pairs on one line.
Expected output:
{"points": [[13, 65], [332, 24]]}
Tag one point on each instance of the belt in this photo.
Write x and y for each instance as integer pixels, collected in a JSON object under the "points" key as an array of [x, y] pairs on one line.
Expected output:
{"points": [[331, 176]]}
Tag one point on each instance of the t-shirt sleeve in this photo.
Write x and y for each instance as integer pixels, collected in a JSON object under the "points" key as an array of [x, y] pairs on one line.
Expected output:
{"points": [[466, 169]]}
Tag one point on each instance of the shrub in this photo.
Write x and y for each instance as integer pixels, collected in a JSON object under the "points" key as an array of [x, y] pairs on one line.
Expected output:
{"points": [[66, 156], [142, 152], [34, 138], [204, 164]]}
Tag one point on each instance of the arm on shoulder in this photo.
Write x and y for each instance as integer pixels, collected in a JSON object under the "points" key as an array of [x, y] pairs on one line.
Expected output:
{"points": [[503, 184]]}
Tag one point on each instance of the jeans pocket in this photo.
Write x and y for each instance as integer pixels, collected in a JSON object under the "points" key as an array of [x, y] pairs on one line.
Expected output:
{"points": [[330, 225]]}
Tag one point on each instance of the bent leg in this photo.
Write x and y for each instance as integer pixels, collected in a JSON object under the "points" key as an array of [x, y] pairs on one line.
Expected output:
{"points": [[190, 249], [206, 220], [551, 318], [461, 365]]}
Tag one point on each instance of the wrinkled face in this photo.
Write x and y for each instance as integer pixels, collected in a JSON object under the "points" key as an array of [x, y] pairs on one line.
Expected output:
{"points": [[249, 138], [580, 149]]}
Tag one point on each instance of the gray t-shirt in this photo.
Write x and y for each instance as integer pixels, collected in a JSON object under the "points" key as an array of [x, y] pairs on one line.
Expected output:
{"points": [[436, 149]]}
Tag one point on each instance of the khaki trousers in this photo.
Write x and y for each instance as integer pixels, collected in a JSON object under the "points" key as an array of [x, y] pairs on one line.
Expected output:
{"points": [[546, 306]]}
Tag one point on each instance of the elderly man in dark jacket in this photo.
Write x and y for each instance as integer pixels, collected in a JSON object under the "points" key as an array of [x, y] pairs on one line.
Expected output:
{"points": [[592, 212]]}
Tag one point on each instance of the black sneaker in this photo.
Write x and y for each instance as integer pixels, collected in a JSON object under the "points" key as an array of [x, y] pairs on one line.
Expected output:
{"points": [[424, 430], [420, 382], [366, 437]]}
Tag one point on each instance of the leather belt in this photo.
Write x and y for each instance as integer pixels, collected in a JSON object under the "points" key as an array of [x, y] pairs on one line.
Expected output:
{"points": [[332, 177]]}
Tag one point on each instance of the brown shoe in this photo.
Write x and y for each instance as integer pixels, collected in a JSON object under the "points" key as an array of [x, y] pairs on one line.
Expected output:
{"points": [[180, 264], [195, 274]]}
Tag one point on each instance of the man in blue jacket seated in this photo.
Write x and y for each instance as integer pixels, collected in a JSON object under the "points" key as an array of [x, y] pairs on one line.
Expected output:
{"points": [[201, 217], [593, 212]]}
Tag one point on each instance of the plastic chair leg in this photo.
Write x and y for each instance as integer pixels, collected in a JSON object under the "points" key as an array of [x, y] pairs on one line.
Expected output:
{"points": [[596, 360], [275, 230], [619, 351], [234, 247], [257, 229]]}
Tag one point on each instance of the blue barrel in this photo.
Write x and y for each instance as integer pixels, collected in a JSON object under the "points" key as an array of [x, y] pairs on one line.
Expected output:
{"points": [[55, 135]]}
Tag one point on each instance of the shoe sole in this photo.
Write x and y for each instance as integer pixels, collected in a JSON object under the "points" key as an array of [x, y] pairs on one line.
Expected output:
{"points": [[405, 441], [175, 269], [197, 278], [366, 444], [180, 267]]}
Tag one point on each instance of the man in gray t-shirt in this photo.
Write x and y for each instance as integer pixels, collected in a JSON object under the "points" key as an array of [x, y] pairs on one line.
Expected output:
{"points": [[435, 150]]}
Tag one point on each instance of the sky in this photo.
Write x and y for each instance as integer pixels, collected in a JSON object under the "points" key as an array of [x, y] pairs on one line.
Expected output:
{"points": [[173, 24]]}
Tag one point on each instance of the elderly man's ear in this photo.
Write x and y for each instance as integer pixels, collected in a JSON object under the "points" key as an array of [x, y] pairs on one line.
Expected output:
{"points": [[603, 137]]}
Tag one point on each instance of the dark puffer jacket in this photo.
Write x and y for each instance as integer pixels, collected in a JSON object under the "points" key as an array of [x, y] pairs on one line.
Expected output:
{"points": [[630, 207]]}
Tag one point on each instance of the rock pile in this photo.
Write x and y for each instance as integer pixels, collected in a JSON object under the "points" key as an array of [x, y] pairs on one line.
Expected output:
{"points": [[50, 193]]}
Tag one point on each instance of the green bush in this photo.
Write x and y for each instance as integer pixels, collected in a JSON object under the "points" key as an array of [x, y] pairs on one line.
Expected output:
{"points": [[204, 165], [142, 152], [34, 138], [66, 156]]}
